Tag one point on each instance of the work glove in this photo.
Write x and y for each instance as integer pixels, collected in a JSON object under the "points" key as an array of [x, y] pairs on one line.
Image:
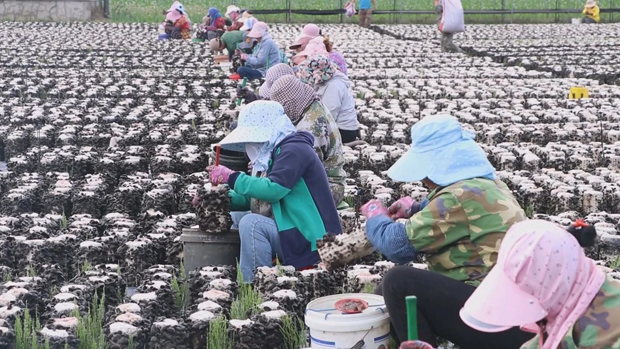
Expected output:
{"points": [[373, 208], [406, 207], [415, 345], [219, 174]]}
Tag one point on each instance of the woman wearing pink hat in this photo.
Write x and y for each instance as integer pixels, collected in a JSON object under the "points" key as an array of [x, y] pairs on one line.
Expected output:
{"points": [[544, 283], [310, 33], [178, 23], [265, 54]]}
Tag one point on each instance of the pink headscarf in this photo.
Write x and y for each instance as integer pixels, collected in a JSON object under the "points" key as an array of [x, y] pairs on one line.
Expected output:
{"points": [[541, 273]]}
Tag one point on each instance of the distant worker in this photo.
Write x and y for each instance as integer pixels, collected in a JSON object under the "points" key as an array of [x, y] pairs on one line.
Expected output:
{"points": [[365, 12], [312, 31], [265, 54], [591, 12], [228, 41], [451, 20]]}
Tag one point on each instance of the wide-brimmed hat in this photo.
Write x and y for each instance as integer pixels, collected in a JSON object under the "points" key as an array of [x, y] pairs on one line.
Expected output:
{"points": [[215, 45], [316, 46], [173, 15], [442, 151], [300, 41], [248, 21], [230, 9], [541, 273], [590, 3], [259, 29]]}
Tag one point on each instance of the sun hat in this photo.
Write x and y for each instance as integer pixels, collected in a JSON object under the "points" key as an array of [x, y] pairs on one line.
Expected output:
{"points": [[177, 6], [248, 21], [258, 30], [442, 151], [259, 122], [301, 41], [274, 73], [311, 30], [173, 16], [316, 46], [590, 3], [230, 9], [215, 45], [541, 273]]}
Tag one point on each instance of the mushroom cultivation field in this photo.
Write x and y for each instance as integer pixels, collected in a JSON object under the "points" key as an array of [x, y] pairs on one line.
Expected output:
{"points": [[105, 134]]}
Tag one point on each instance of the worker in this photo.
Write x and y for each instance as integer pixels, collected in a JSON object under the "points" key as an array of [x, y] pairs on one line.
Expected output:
{"points": [[544, 283], [334, 89], [365, 12], [265, 54], [247, 19], [591, 12], [234, 14], [311, 31], [449, 24], [228, 41], [264, 91], [180, 25], [459, 230], [295, 185], [307, 113]]}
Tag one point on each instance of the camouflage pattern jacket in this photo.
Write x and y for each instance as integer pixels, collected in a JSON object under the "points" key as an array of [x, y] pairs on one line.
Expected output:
{"points": [[599, 327], [462, 227], [328, 145]]}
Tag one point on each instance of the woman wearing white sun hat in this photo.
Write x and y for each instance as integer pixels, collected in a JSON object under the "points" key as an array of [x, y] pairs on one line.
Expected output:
{"points": [[294, 184], [544, 283]]}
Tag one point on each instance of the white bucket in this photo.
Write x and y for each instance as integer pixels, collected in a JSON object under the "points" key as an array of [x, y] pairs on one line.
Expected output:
{"points": [[329, 328], [576, 20]]}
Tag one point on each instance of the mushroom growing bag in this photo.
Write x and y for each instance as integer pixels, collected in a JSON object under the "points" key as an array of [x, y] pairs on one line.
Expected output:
{"points": [[452, 18]]}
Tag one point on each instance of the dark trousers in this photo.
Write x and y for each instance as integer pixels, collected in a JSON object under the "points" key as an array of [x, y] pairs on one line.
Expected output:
{"points": [[588, 20], [349, 136], [249, 73], [440, 299]]}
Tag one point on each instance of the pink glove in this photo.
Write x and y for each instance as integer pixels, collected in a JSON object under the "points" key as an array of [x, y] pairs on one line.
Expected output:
{"points": [[373, 208], [219, 174], [244, 57], [415, 345], [400, 209]]}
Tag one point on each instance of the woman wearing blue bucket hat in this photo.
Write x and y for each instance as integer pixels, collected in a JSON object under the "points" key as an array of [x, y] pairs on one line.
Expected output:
{"points": [[459, 229]]}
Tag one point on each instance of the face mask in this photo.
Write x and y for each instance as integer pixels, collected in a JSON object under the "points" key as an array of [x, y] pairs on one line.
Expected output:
{"points": [[253, 149]]}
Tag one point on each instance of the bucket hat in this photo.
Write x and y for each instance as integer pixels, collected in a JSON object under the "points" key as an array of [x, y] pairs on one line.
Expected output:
{"points": [[259, 29], [590, 3], [230, 9], [442, 151]]}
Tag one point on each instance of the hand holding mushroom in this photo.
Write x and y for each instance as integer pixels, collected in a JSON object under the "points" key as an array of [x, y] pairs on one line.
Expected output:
{"points": [[219, 174], [415, 345], [405, 208]]}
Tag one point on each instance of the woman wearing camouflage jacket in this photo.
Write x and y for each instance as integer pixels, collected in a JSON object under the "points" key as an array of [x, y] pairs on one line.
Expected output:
{"points": [[459, 231]]}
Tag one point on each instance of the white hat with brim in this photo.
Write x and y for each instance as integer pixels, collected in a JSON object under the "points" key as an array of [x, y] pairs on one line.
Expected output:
{"points": [[230, 9], [590, 3], [237, 139], [499, 304], [443, 152]]}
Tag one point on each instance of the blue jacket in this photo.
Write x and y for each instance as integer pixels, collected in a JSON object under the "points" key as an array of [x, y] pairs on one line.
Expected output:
{"points": [[266, 52], [296, 185]]}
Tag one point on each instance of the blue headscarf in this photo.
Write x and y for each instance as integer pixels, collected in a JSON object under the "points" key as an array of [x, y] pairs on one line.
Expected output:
{"points": [[214, 14]]}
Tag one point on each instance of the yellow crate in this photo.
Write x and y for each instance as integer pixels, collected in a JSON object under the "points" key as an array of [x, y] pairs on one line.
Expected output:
{"points": [[578, 92]]}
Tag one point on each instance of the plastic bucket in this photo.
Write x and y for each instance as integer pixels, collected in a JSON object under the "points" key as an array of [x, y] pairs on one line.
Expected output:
{"points": [[329, 328]]}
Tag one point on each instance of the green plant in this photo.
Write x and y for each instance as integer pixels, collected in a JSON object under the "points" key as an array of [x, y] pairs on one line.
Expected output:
{"points": [[7, 277], [90, 327], [63, 221], [369, 287], [247, 301], [615, 264], [279, 267], [85, 267], [293, 332], [350, 200], [218, 336], [130, 345], [26, 329], [31, 272], [181, 290], [529, 210]]}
